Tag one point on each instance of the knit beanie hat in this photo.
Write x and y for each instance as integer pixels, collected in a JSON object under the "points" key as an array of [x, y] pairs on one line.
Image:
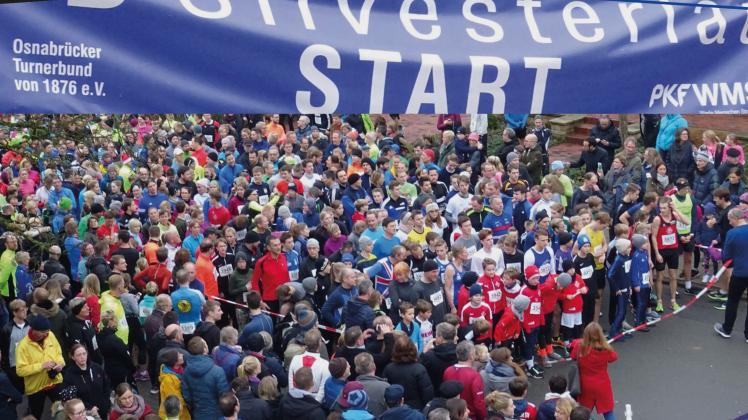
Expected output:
{"points": [[520, 305], [469, 278], [309, 284], [255, 342], [583, 240], [622, 245], [638, 240], [306, 319], [76, 305], [312, 243], [564, 238], [563, 279], [475, 290], [39, 323]]}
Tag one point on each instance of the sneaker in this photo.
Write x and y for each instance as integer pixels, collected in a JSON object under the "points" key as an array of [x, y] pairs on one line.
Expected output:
{"points": [[626, 325], [141, 376], [717, 297], [706, 278], [547, 363], [690, 291], [721, 331], [674, 306], [659, 308], [154, 390], [534, 372], [721, 307], [555, 356], [694, 272], [558, 342]]}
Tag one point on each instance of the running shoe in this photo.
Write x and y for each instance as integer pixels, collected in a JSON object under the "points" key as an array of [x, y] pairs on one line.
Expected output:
{"points": [[546, 362], [706, 278], [691, 291], [626, 325], [717, 297], [154, 390], [721, 331], [141, 376], [534, 372], [721, 307], [555, 356], [659, 308], [561, 351], [674, 306]]}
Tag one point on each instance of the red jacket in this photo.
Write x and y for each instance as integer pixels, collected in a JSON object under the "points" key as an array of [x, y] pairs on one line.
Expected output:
{"points": [[206, 273], [157, 273], [597, 391], [493, 292], [534, 313], [550, 294], [219, 216], [472, 392], [269, 273], [573, 305], [507, 328]]}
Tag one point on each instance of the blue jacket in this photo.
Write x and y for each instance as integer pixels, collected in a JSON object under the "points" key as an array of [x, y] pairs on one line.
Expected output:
{"points": [[640, 268], [704, 184], [227, 358], [54, 199], [415, 335], [669, 125], [618, 276], [227, 175], [149, 201], [734, 248], [258, 323], [202, 385], [333, 388], [23, 282], [704, 235], [402, 412], [333, 307], [358, 312]]}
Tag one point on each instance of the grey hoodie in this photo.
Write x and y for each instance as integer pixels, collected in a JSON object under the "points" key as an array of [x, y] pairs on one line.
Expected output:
{"points": [[496, 377]]}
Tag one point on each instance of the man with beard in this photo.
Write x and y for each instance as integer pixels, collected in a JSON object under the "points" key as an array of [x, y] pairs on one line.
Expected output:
{"points": [[316, 265]]}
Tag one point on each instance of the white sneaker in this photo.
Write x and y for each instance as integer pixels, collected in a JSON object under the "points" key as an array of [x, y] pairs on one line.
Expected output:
{"points": [[706, 278]]}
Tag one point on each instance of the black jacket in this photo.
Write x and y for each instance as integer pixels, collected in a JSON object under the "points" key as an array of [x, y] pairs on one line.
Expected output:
{"points": [[251, 407], [210, 333], [401, 292], [78, 331], [437, 360], [9, 397], [118, 363], [100, 267], [414, 379], [590, 160], [305, 407], [92, 384], [380, 359], [680, 163], [611, 134]]}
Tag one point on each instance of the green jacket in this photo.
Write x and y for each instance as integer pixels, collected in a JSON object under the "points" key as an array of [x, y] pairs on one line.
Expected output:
{"points": [[111, 303], [8, 271], [238, 284]]}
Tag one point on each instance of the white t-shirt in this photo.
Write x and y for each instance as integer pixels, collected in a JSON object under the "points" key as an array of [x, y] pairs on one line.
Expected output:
{"points": [[477, 263]]}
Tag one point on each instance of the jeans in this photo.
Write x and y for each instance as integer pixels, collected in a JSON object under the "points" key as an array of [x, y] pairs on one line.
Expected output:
{"points": [[528, 346], [642, 299], [609, 415], [738, 285], [622, 302]]}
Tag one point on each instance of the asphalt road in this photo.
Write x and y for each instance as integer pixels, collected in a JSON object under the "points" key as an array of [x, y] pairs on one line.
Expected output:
{"points": [[681, 369]]}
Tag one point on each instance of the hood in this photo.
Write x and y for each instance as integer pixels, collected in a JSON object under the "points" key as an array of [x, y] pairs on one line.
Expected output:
{"points": [[300, 404], [47, 309], [357, 415], [446, 352], [199, 366], [520, 406], [555, 396], [500, 370]]}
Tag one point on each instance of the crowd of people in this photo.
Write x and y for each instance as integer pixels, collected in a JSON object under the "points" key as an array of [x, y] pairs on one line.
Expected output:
{"points": [[331, 266]]}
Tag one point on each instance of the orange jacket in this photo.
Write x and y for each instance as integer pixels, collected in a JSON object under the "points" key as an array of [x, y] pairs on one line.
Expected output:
{"points": [[206, 273]]}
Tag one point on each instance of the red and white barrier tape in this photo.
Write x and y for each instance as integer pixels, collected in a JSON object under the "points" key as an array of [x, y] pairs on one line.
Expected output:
{"points": [[711, 282], [321, 327]]}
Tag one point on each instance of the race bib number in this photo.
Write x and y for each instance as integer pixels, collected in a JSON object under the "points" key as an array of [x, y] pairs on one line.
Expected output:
{"points": [[95, 343], [471, 320], [187, 328], [293, 275], [241, 234], [226, 270], [494, 295], [515, 266], [683, 226], [535, 308], [668, 240], [598, 249], [545, 269], [645, 279], [209, 138], [145, 312], [437, 298], [587, 272], [123, 323], [263, 200], [388, 302], [627, 266], [314, 272], [418, 276]]}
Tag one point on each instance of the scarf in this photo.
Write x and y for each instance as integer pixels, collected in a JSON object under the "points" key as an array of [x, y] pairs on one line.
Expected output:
{"points": [[664, 180], [137, 409]]}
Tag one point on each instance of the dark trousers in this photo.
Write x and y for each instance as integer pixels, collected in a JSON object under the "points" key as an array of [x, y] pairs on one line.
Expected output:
{"points": [[738, 285], [622, 303], [136, 337], [36, 401], [546, 331], [528, 345], [16, 380], [588, 301]]}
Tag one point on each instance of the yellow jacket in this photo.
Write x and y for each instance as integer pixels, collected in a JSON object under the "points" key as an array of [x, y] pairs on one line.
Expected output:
{"points": [[171, 384], [30, 356]]}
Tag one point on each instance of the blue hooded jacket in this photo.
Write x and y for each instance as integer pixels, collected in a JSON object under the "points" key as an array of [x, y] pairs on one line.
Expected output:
{"points": [[618, 274], [202, 385], [669, 125], [640, 269]]}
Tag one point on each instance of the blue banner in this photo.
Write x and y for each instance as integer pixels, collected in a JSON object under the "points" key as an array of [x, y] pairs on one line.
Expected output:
{"points": [[409, 56]]}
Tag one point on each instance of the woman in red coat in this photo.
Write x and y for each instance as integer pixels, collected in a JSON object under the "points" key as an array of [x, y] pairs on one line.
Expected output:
{"points": [[593, 353]]}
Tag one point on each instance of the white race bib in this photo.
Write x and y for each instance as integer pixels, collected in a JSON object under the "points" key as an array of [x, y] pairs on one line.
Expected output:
{"points": [[187, 328], [535, 308], [682, 226], [516, 266], [587, 272], [225, 270], [123, 323], [668, 240], [645, 279], [437, 298], [209, 138], [494, 295], [263, 200], [418, 276], [545, 269], [627, 266], [471, 319], [293, 275], [95, 343]]}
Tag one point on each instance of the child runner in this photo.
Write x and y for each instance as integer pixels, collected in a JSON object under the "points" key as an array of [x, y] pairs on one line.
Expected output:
{"points": [[619, 276], [640, 278], [533, 319]]}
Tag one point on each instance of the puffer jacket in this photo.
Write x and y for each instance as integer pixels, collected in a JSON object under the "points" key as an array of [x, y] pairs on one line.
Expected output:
{"points": [[55, 316], [358, 312], [496, 377], [202, 385], [227, 357], [31, 355], [679, 162], [704, 184], [92, 384], [171, 384]]}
